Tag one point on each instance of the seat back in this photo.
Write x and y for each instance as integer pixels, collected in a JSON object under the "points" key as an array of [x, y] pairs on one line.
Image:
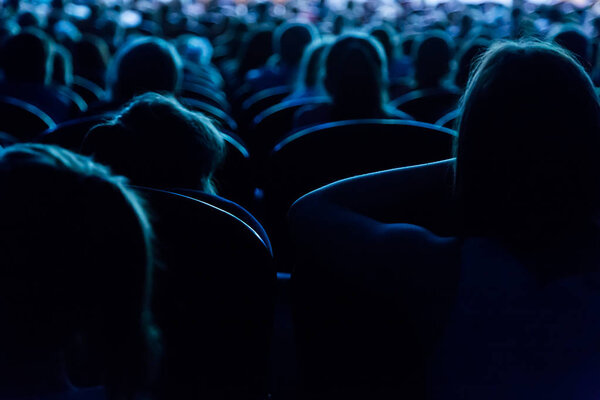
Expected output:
{"points": [[22, 120], [427, 105], [235, 178], [322, 154], [259, 102], [449, 119], [213, 299], [219, 116], [70, 134], [89, 91], [273, 124], [316, 156], [207, 95]]}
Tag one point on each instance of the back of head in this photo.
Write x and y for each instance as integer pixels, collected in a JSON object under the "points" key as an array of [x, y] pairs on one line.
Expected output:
{"points": [[195, 49], [432, 57], [25, 57], [573, 39], [291, 39], [156, 142], [90, 55], [145, 65], [527, 160], [255, 50], [356, 75], [76, 260], [28, 19]]}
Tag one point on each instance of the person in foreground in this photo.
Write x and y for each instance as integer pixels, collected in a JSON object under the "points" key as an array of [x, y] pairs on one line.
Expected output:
{"points": [[501, 246], [75, 279]]}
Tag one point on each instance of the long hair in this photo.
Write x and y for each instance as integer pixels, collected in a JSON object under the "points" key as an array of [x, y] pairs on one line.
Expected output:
{"points": [[529, 138]]}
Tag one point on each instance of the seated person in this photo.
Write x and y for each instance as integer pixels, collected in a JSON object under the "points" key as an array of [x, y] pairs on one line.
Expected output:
{"points": [[140, 66], [574, 39], [496, 255], [156, 142], [75, 276], [432, 56], [356, 80], [196, 54], [26, 60], [308, 84], [289, 42]]}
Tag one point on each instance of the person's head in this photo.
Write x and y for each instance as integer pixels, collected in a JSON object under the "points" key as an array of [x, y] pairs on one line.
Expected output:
{"points": [[356, 74], [528, 145], [156, 142], [256, 49], [466, 59], [144, 65], [76, 264], [28, 19], [197, 50], [432, 56], [62, 66], [26, 57], [90, 58], [290, 40], [311, 63], [573, 39]]}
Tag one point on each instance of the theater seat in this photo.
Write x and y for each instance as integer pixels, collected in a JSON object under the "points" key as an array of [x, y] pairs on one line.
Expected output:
{"points": [[207, 95], [222, 119], [427, 105], [322, 154], [214, 299], [273, 124], [89, 91], [22, 120], [448, 120], [70, 134], [260, 101]]}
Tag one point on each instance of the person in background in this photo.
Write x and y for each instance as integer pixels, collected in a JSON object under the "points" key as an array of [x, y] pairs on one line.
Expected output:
{"points": [[156, 142], [289, 42], [355, 78]]}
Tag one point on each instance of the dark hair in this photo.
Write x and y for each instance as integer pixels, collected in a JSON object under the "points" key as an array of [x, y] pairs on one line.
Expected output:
{"points": [[156, 142], [25, 57], [255, 50], [528, 145], [145, 65], [90, 58], [77, 258], [356, 74], [573, 39], [432, 56], [290, 40]]}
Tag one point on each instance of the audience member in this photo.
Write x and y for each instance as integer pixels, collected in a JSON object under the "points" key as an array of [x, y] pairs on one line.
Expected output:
{"points": [[356, 79], [156, 142], [513, 266], [76, 274]]}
